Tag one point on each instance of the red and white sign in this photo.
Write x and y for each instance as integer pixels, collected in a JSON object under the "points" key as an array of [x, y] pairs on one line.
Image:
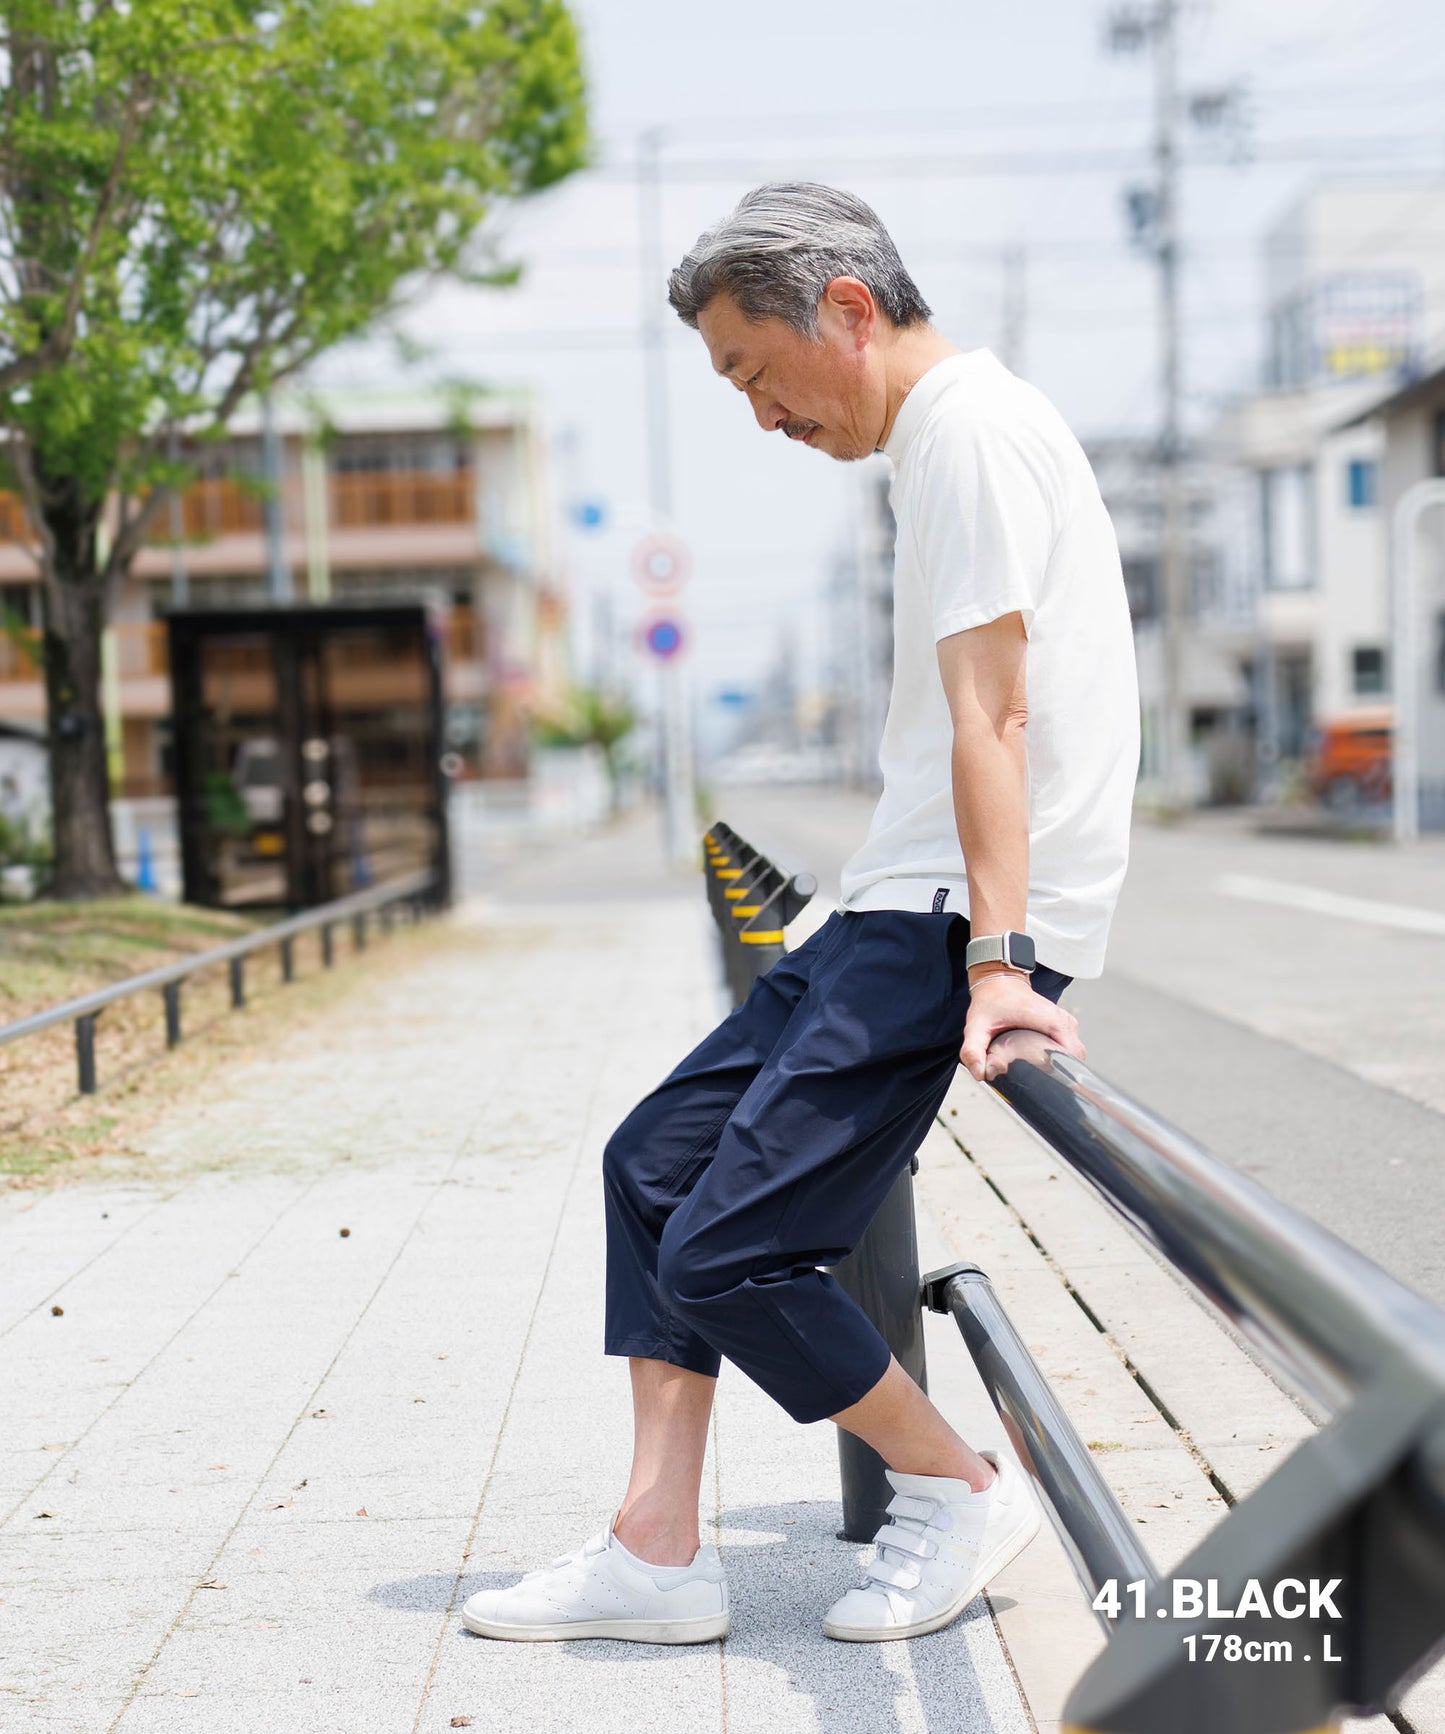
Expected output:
{"points": [[661, 564]]}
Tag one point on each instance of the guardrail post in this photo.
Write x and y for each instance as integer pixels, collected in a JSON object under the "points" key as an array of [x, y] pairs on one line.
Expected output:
{"points": [[238, 983], [881, 1274], [171, 993], [326, 956], [288, 961], [85, 1052]]}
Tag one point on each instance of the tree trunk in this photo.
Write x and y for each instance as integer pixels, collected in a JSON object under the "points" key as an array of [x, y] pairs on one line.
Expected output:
{"points": [[79, 776]]}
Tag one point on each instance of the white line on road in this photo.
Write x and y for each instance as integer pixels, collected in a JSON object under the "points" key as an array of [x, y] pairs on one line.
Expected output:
{"points": [[1403, 916]]}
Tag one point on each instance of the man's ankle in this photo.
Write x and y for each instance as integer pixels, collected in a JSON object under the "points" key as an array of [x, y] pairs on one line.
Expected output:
{"points": [[656, 1542]]}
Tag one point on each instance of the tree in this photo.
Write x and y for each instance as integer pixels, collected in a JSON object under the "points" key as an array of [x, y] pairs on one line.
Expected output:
{"points": [[197, 197], [589, 716]]}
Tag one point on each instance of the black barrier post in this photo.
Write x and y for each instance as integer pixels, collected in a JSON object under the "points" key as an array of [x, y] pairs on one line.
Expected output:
{"points": [[85, 1052], [881, 1274], [752, 901]]}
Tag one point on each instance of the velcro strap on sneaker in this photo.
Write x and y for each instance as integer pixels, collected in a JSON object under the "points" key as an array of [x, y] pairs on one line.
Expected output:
{"points": [[897, 1574], [905, 1505], [906, 1541]]}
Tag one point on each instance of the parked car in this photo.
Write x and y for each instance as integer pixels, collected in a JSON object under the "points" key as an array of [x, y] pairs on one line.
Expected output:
{"points": [[1349, 763]]}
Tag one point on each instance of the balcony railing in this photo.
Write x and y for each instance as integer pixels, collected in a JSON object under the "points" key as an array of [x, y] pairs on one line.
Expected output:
{"points": [[218, 506], [142, 647], [14, 525], [363, 498], [20, 655], [358, 499]]}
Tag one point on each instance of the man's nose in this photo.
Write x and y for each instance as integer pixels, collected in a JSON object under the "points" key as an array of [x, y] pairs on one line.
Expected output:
{"points": [[771, 415]]}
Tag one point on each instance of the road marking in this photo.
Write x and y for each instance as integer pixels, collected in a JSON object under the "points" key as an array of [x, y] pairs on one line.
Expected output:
{"points": [[1402, 916]]}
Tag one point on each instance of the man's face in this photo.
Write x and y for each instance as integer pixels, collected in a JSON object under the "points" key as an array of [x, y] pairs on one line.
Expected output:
{"points": [[826, 391]]}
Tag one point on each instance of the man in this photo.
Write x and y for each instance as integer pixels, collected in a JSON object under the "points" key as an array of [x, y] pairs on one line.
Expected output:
{"points": [[1008, 761]]}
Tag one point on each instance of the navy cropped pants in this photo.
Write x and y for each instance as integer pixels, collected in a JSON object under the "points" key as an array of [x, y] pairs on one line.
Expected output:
{"points": [[769, 1149]]}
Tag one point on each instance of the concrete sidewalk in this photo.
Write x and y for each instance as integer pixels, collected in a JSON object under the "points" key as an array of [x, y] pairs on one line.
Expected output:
{"points": [[252, 1466]]}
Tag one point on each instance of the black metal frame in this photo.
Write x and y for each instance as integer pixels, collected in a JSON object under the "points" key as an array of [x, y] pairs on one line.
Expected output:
{"points": [[1363, 1500], [296, 630]]}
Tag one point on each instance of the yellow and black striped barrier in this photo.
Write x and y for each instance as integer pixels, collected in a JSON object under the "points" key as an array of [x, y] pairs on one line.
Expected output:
{"points": [[752, 901]]}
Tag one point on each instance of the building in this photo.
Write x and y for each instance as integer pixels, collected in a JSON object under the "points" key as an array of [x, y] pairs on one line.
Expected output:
{"points": [[1132, 485], [1407, 430], [397, 497], [1355, 281]]}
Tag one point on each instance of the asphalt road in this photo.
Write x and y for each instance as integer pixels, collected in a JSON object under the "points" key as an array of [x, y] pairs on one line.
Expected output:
{"points": [[1281, 999]]}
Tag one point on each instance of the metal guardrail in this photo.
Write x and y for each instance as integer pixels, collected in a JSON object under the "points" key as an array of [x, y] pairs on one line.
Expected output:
{"points": [[1361, 1504], [1323, 1591], [412, 891]]}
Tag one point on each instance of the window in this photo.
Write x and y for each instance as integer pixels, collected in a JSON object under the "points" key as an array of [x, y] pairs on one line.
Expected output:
{"points": [[1287, 532], [1361, 484], [1367, 670]]}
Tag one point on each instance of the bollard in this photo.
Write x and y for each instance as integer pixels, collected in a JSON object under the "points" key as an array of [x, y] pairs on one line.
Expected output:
{"points": [[238, 983], [326, 955], [171, 993], [288, 960], [85, 1052], [881, 1274]]}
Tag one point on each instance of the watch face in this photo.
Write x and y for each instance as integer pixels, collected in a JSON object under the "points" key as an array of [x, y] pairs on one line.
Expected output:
{"points": [[1021, 951]]}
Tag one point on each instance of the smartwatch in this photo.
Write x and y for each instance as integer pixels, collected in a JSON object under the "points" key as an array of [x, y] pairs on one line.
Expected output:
{"points": [[1013, 950]]}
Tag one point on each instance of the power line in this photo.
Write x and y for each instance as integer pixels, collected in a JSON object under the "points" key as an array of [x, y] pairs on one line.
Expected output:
{"points": [[983, 164], [1027, 116]]}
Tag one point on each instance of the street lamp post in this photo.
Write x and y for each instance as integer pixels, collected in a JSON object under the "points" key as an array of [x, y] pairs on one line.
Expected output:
{"points": [[1410, 508], [675, 714]]}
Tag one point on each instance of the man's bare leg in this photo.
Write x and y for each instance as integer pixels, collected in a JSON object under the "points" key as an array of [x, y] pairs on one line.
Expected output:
{"points": [[910, 1435], [670, 1411]]}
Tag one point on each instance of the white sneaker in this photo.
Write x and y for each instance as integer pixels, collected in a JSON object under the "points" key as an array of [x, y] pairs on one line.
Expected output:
{"points": [[603, 1591], [939, 1551]]}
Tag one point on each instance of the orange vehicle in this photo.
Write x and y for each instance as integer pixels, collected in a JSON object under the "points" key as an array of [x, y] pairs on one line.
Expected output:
{"points": [[1350, 758]]}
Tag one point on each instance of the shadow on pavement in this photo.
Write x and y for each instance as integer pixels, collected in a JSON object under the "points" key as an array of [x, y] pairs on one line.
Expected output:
{"points": [[785, 1565]]}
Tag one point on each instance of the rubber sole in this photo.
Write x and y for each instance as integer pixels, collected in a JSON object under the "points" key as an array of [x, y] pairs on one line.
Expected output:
{"points": [[704, 1629], [1009, 1548]]}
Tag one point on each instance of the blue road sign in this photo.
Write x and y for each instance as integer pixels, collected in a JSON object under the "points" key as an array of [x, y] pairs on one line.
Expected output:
{"points": [[663, 638]]}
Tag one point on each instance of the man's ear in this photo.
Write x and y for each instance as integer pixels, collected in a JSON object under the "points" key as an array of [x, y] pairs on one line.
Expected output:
{"points": [[849, 306]]}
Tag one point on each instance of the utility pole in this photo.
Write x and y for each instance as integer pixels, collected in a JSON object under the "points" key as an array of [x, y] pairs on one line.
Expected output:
{"points": [[1015, 309], [278, 573], [180, 576], [679, 801], [1154, 223], [1174, 565]]}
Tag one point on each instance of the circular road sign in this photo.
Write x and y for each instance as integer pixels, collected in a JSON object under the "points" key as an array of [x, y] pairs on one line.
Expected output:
{"points": [[661, 564], [662, 637]]}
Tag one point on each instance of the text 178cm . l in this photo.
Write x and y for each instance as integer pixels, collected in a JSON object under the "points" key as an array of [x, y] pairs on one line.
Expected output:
{"points": [[1205, 1646]]}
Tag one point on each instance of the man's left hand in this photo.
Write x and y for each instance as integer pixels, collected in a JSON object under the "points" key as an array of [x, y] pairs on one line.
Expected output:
{"points": [[1007, 1001]]}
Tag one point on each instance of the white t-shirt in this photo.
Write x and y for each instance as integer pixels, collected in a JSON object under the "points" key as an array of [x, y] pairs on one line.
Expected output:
{"points": [[997, 511]]}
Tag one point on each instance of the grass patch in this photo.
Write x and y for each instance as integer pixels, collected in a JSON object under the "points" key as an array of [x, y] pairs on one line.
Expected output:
{"points": [[51, 952]]}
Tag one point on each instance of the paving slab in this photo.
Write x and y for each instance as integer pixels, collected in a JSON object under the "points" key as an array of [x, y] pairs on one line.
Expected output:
{"points": [[279, 1457]]}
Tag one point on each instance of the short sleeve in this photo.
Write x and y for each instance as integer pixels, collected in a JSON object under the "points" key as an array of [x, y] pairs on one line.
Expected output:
{"points": [[983, 526]]}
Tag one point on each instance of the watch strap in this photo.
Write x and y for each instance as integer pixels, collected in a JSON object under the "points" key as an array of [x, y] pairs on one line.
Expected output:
{"points": [[1002, 948]]}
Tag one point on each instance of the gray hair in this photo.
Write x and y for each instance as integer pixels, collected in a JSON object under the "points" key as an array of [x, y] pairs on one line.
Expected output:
{"points": [[781, 248]]}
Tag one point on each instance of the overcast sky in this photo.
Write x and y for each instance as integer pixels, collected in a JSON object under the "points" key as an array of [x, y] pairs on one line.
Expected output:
{"points": [[972, 129]]}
